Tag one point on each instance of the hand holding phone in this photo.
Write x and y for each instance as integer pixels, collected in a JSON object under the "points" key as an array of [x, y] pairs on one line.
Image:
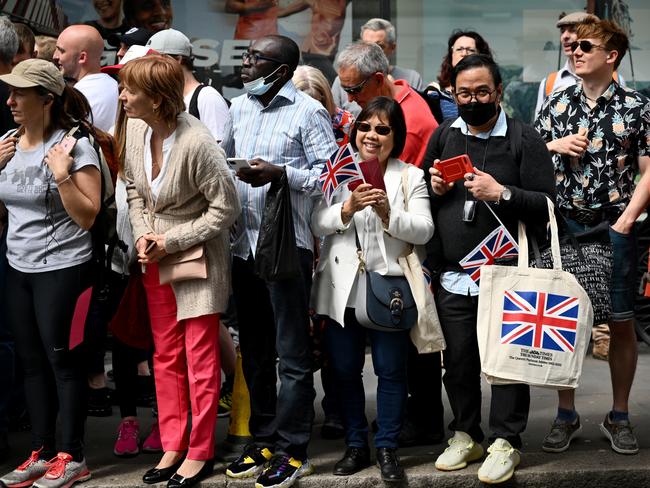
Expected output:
{"points": [[455, 168], [67, 144], [238, 163], [150, 247]]}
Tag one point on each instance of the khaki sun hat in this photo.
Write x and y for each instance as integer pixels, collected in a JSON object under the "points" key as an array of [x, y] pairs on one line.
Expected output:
{"points": [[36, 72]]}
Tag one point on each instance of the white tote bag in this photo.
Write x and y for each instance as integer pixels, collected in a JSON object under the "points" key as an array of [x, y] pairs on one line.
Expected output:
{"points": [[533, 324]]}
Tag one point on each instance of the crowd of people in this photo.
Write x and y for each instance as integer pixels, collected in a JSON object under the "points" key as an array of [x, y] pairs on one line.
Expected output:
{"points": [[190, 235]]}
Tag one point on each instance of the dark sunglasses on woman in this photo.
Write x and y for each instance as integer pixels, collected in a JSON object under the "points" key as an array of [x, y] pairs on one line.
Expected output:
{"points": [[382, 130]]}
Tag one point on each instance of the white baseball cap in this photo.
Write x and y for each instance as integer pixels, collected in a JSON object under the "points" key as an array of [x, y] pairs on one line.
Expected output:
{"points": [[134, 52], [171, 41]]}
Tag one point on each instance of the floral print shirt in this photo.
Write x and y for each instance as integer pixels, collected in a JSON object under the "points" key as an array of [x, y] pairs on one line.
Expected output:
{"points": [[618, 129]]}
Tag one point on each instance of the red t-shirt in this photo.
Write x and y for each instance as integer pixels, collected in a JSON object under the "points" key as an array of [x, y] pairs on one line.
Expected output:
{"points": [[420, 123]]}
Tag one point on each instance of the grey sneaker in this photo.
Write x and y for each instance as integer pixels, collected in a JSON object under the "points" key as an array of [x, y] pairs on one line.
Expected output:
{"points": [[620, 436], [26, 473], [63, 472], [561, 435]]}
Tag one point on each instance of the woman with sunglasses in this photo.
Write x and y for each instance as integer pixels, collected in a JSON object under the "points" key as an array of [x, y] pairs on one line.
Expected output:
{"points": [[50, 188], [384, 230], [181, 195]]}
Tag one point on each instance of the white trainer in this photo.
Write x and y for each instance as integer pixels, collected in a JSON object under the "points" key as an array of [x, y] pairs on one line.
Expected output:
{"points": [[500, 464], [462, 450]]}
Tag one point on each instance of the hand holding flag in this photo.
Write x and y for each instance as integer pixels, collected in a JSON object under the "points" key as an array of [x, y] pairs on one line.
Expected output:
{"points": [[340, 169]]}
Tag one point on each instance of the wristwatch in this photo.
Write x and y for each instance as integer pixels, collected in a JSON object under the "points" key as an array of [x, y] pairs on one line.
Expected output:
{"points": [[506, 195]]}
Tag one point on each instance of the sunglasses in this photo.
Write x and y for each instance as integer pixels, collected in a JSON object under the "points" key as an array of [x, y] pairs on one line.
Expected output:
{"points": [[382, 130], [585, 46], [254, 57], [353, 90]]}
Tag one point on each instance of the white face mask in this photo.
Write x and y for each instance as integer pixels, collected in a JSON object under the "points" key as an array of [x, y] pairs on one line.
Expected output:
{"points": [[259, 86]]}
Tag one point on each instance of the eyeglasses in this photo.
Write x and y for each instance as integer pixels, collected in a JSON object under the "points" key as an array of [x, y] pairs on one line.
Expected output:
{"points": [[353, 90], [585, 46], [382, 130], [253, 58], [482, 95], [468, 50]]}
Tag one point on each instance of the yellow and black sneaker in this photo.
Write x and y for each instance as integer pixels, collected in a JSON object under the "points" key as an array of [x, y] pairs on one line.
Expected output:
{"points": [[250, 463], [283, 471]]}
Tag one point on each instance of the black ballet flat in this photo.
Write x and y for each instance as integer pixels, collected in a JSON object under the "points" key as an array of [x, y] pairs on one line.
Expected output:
{"points": [[178, 481], [157, 475]]}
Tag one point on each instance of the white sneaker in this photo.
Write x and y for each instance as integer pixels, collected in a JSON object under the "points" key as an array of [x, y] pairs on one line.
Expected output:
{"points": [[461, 451], [500, 464]]}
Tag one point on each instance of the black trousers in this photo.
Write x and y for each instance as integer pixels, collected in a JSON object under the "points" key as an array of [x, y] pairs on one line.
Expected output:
{"points": [[424, 406], [40, 308], [509, 404], [274, 322]]}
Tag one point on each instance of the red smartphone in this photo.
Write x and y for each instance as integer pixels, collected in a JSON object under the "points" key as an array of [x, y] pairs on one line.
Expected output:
{"points": [[68, 143], [371, 174], [455, 168]]}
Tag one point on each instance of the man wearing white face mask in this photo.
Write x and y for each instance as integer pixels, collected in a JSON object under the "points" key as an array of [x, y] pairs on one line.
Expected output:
{"points": [[277, 129]]}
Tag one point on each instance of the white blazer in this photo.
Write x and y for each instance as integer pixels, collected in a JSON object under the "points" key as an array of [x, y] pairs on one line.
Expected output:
{"points": [[338, 266]]}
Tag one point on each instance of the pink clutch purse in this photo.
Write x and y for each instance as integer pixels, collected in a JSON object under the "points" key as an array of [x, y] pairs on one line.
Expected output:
{"points": [[190, 264]]}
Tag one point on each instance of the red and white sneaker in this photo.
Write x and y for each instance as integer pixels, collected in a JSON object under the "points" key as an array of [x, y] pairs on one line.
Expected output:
{"points": [[25, 474], [63, 472], [152, 444], [128, 434]]}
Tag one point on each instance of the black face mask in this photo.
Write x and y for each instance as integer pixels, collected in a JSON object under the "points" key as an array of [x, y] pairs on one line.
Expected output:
{"points": [[476, 113]]}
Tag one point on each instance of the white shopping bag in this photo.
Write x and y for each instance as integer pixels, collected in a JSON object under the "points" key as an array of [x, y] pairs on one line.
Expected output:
{"points": [[533, 324]]}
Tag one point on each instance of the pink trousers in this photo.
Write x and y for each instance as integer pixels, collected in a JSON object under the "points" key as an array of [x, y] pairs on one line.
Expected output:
{"points": [[187, 371]]}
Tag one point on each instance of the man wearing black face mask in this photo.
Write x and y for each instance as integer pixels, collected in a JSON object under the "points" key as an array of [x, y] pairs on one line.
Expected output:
{"points": [[277, 129], [515, 184]]}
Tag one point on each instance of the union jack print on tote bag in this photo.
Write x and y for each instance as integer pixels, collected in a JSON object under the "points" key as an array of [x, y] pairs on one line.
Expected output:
{"points": [[533, 324]]}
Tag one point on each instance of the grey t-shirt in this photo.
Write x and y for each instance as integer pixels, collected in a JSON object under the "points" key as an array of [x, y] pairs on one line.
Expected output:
{"points": [[41, 235]]}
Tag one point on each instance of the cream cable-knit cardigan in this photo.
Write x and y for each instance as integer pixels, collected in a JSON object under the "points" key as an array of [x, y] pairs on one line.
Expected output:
{"points": [[197, 203]]}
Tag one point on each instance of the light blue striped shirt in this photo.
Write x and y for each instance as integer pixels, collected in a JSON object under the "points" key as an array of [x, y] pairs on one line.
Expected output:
{"points": [[294, 131]]}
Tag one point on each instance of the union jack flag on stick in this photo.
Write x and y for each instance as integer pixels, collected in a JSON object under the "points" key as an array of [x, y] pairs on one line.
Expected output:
{"points": [[341, 168], [498, 244]]}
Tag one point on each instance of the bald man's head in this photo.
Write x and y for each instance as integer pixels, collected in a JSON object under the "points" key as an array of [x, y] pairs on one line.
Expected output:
{"points": [[78, 51]]}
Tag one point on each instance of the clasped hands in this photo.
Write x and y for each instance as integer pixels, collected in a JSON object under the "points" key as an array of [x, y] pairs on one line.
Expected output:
{"points": [[363, 196]]}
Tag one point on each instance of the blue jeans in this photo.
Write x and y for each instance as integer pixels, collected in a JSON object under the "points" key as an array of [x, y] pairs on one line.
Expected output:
{"points": [[347, 348], [623, 285]]}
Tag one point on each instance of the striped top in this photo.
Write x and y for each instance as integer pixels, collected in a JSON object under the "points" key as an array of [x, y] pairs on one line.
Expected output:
{"points": [[294, 131]]}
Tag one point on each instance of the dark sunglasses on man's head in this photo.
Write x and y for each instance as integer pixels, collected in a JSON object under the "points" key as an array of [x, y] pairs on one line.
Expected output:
{"points": [[382, 130], [353, 90], [585, 46]]}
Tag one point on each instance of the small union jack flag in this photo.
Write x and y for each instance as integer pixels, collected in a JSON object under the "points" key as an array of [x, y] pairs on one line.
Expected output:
{"points": [[539, 320], [341, 168], [498, 244]]}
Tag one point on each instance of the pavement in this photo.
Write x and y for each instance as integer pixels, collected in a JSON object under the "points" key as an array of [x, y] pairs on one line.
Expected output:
{"points": [[589, 462]]}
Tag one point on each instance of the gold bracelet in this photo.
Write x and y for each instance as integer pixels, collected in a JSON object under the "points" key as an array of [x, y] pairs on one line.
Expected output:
{"points": [[58, 183]]}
